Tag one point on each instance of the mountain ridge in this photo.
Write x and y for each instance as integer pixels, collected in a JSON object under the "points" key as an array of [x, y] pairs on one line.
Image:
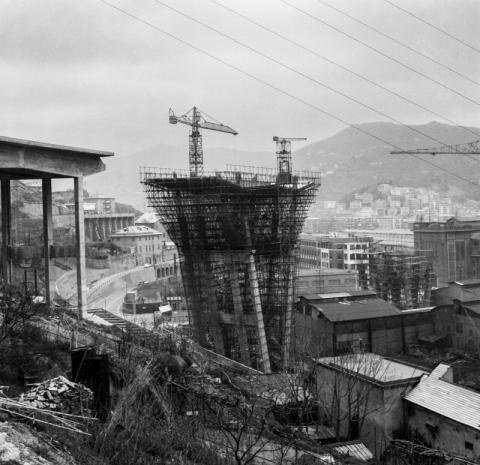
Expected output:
{"points": [[347, 161]]}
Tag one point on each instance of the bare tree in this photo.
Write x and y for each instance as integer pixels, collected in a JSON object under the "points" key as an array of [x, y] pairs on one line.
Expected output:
{"points": [[17, 307], [346, 391]]}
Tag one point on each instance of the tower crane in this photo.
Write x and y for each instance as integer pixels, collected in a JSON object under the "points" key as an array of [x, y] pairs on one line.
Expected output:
{"points": [[195, 119], [469, 148], [284, 156]]}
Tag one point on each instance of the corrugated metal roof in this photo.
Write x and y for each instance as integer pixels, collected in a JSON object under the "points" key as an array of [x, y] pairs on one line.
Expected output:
{"points": [[447, 399], [355, 449], [356, 310]]}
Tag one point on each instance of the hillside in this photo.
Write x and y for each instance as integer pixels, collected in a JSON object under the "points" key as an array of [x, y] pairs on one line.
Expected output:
{"points": [[351, 160], [348, 160]]}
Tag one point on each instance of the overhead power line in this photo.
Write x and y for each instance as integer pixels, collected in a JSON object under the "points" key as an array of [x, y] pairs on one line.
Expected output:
{"points": [[443, 31], [402, 44], [271, 86], [296, 71], [376, 50], [344, 68]]}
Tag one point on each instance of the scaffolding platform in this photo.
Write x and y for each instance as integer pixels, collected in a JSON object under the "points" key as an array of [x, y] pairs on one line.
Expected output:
{"points": [[236, 231]]}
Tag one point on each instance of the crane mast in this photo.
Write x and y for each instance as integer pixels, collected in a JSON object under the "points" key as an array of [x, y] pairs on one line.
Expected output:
{"points": [[284, 157], [195, 119]]}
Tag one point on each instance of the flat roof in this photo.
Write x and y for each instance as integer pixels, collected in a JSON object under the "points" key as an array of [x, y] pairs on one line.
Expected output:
{"points": [[324, 271], [374, 367], [353, 310], [380, 231], [348, 295], [49, 146]]}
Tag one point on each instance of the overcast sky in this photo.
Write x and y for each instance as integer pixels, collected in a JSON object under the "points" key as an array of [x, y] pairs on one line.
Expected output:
{"points": [[81, 73]]}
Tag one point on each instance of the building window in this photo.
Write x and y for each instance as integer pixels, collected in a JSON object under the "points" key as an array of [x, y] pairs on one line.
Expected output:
{"points": [[459, 328], [468, 446]]}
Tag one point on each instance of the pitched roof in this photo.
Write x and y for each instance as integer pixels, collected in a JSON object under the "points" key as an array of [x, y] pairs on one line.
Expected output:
{"points": [[474, 306], [374, 367], [352, 310], [447, 399], [355, 449], [474, 282]]}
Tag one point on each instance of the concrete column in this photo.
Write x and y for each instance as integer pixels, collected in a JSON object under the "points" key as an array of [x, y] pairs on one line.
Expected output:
{"points": [[47, 235], [104, 229], [257, 304], [287, 330], [241, 329], [80, 247], [6, 229]]}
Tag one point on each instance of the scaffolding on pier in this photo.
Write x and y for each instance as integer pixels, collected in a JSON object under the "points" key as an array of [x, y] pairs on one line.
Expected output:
{"points": [[404, 279], [236, 232]]}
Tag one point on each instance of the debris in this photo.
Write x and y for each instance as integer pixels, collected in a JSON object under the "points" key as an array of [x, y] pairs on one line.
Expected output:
{"points": [[60, 394]]}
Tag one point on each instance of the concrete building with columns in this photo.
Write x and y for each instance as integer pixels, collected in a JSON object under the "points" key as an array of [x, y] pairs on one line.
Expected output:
{"points": [[22, 159], [100, 223]]}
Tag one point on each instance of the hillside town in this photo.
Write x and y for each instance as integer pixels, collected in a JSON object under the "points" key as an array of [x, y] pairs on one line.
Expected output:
{"points": [[177, 303]]}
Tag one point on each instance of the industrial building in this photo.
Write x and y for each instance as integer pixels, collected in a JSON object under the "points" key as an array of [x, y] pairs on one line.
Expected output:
{"points": [[320, 251], [324, 280], [345, 322], [454, 245], [445, 415]]}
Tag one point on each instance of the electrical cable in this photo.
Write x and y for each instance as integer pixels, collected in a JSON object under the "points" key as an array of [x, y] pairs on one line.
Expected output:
{"points": [[313, 52], [376, 50], [451, 36], [393, 39], [296, 71], [271, 86]]}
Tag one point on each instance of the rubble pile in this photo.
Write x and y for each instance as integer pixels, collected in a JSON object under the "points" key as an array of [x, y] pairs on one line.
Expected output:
{"points": [[59, 394]]}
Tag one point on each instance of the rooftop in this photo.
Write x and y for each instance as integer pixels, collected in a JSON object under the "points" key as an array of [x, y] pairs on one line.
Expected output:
{"points": [[380, 231], [336, 240], [447, 399], [135, 231], [374, 367], [354, 310], [325, 272], [473, 305], [467, 282], [347, 295]]}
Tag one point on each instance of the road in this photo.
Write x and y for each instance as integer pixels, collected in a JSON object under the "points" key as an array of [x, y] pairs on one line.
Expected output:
{"points": [[112, 302]]}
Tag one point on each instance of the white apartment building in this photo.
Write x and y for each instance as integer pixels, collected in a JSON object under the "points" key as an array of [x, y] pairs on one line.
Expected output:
{"points": [[143, 242]]}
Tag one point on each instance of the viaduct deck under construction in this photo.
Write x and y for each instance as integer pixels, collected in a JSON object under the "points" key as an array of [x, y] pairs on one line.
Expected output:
{"points": [[236, 232]]}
